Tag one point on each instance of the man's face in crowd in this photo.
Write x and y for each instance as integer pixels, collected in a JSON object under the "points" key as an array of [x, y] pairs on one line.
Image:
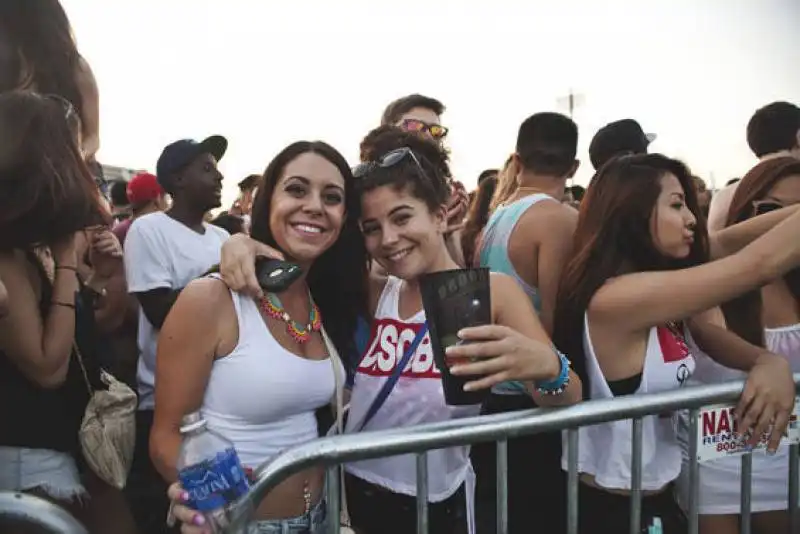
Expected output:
{"points": [[423, 121]]}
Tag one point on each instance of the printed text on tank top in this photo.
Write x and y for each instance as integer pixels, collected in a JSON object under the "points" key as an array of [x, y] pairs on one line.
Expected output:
{"points": [[390, 339]]}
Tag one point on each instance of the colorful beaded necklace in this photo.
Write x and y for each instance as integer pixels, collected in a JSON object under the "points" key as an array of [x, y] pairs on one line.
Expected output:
{"points": [[300, 333]]}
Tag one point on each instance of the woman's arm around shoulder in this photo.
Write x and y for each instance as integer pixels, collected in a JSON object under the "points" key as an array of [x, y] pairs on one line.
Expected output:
{"points": [[196, 331]]}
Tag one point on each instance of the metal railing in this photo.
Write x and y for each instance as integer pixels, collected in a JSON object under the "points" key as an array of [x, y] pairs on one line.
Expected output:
{"points": [[334, 451], [21, 510]]}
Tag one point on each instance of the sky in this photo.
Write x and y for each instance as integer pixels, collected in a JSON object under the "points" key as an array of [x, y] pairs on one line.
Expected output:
{"points": [[265, 73]]}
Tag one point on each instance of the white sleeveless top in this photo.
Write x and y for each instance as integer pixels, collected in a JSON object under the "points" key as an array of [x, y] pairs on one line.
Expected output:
{"points": [[417, 398], [262, 397], [604, 450]]}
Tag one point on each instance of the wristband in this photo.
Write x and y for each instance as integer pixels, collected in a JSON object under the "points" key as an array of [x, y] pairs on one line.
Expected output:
{"points": [[558, 385], [67, 268]]}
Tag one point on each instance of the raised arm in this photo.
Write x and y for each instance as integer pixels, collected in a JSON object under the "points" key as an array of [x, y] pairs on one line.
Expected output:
{"points": [[40, 347], [516, 347], [734, 238], [638, 301], [187, 346]]}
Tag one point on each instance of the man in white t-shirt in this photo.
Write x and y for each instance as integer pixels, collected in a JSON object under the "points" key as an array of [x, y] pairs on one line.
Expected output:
{"points": [[164, 251]]}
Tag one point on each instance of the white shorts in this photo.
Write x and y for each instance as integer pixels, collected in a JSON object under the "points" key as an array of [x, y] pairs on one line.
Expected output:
{"points": [[53, 472]]}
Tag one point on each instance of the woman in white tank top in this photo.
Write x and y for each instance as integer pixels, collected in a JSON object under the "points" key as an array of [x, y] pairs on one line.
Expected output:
{"points": [[259, 368], [768, 318], [638, 271], [403, 222], [403, 192]]}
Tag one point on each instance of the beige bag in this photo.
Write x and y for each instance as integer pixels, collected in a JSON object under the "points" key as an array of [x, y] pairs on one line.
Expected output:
{"points": [[336, 361], [108, 430]]}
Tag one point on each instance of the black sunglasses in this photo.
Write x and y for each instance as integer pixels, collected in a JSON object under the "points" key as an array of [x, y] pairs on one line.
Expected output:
{"points": [[765, 207], [390, 159]]}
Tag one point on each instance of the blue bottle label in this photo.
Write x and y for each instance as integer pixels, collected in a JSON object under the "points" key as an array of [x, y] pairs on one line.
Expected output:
{"points": [[214, 483]]}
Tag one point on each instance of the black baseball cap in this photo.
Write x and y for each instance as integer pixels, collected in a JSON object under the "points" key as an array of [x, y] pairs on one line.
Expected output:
{"points": [[179, 154], [625, 136]]}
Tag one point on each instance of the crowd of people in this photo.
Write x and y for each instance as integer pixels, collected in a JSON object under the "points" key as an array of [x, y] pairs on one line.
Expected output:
{"points": [[644, 281]]}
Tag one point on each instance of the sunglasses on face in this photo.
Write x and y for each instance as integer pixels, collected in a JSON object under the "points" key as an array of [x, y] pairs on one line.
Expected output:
{"points": [[437, 131], [390, 159], [765, 207]]}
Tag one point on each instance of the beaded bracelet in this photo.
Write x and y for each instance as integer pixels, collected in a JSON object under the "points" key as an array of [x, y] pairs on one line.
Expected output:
{"points": [[558, 385]]}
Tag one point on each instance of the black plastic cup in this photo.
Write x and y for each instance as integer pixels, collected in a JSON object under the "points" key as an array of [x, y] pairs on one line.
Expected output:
{"points": [[454, 300]]}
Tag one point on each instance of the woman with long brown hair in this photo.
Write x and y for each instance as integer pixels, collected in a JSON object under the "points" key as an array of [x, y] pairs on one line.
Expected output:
{"points": [[47, 199], [38, 53], [768, 317], [639, 271], [477, 216]]}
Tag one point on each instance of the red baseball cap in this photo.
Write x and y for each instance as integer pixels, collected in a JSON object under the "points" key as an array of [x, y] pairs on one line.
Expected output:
{"points": [[143, 188]]}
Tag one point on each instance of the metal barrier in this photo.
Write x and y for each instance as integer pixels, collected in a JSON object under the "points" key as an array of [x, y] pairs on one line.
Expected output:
{"points": [[500, 427], [21, 510]]}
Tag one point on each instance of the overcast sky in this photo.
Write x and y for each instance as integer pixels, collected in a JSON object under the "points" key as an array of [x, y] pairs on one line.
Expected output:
{"points": [[265, 74]]}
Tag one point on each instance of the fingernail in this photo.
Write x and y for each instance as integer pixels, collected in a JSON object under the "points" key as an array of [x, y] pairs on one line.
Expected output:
{"points": [[199, 520], [455, 369], [771, 452], [468, 387], [184, 496]]}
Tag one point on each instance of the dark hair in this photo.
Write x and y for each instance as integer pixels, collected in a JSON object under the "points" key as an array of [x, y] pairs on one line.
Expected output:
{"points": [[477, 217], [613, 237], [547, 143], [430, 186], [119, 193], [249, 182], [773, 128], [230, 223], [403, 105], [46, 190], [488, 173], [577, 192], [39, 44], [338, 278], [743, 314]]}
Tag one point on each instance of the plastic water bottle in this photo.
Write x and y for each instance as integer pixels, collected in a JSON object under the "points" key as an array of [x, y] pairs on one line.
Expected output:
{"points": [[209, 471]]}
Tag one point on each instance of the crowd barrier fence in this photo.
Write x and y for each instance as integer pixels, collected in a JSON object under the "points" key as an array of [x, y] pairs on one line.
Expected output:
{"points": [[334, 451]]}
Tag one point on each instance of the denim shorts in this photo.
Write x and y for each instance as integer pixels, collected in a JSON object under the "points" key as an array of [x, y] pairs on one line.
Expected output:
{"points": [[313, 522], [53, 472]]}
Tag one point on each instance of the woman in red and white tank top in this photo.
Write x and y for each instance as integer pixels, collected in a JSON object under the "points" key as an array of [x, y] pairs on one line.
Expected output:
{"points": [[403, 191], [638, 271]]}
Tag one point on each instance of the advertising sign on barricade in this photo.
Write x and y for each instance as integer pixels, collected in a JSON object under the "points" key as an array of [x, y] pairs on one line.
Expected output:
{"points": [[718, 435]]}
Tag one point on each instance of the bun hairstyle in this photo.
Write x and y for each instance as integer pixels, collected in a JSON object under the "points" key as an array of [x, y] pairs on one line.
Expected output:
{"points": [[427, 180]]}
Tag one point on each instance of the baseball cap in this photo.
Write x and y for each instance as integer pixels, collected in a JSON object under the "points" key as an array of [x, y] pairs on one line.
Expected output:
{"points": [[179, 154], [625, 136], [143, 188]]}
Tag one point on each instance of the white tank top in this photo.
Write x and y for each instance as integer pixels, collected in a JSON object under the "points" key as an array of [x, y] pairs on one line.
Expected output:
{"points": [[417, 398], [262, 397], [604, 450]]}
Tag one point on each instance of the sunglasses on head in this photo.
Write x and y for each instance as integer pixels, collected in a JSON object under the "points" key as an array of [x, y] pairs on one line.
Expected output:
{"points": [[437, 131], [69, 109], [767, 206], [390, 159]]}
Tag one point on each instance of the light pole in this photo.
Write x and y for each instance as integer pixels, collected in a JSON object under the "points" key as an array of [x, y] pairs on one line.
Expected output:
{"points": [[570, 101]]}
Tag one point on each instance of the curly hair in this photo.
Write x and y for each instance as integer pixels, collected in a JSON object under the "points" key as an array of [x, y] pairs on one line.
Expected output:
{"points": [[427, 181]]}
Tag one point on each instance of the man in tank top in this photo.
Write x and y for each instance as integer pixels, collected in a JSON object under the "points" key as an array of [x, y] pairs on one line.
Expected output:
{"points": [[529, 238]]}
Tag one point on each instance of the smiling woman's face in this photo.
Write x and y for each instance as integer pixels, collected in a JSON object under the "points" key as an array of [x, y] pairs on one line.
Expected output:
{"points": [[307, 209], [400, 231]]}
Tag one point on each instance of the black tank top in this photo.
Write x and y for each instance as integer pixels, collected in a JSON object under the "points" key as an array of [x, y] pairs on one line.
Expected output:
{"points": [[34, 417]]}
